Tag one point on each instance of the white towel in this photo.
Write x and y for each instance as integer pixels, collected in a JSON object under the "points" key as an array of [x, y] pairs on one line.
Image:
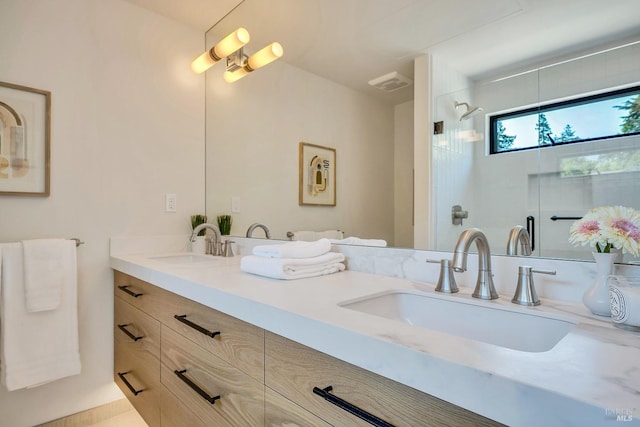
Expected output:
{"points": [[35, 348], [293, 268], [48, 265], [361, 242], [310, 236], [298, 249]]}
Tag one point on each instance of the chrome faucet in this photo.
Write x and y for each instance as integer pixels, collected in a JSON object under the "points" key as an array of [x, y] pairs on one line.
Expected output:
{"points": [[217, 237], [518, 234], [255, 225], [484, 285]]}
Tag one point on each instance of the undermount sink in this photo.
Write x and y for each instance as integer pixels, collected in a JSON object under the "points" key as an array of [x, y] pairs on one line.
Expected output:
{"points": [[186, 258], [517, 329]]}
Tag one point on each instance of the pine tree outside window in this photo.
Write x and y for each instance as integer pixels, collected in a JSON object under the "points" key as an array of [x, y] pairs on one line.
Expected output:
{"points": [[609, 115]]}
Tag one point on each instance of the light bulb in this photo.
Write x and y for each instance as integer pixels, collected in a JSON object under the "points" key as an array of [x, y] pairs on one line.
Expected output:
{"points": [[225, 47]]}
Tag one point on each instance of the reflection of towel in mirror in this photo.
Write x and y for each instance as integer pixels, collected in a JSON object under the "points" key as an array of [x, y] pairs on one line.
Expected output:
{"points": [[293, 268], [361, 242], [310, 236], [294, 249]]}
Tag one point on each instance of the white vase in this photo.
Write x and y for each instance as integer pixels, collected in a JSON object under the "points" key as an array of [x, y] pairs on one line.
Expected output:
{"points": [[200, 245], [596, 298]]}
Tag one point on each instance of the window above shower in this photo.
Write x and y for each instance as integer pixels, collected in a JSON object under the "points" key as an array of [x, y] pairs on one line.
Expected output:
{"points": [[612, 114]]}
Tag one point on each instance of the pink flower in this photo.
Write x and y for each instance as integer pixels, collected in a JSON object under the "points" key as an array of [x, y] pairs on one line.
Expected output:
{"points": [[608, 227]]}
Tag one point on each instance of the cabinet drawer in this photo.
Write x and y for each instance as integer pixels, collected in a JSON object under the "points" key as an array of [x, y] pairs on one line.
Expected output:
{"points": [[219, 394], [239, 343], [137, 374], [138, 293], [293, 370], [281, 412], [175, 414], [136, 330]]}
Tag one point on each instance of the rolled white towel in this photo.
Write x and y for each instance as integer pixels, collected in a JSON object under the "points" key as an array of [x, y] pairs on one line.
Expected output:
{"points": [[293, 268], [297, 249]]}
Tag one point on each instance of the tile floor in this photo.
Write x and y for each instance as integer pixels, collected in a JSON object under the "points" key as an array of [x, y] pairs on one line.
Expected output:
{"points": [[117, 414], [127, 419]]}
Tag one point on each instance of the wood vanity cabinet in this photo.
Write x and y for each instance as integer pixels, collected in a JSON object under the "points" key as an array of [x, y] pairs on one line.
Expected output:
{"points": [[295, 371], [181, 363]]}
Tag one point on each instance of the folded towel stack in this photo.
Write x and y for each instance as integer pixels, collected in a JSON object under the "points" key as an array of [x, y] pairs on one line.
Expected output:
{"points": [[295, 260], [38, 312]]}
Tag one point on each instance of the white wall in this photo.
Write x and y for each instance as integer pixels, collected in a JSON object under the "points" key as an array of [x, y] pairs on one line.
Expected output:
{"points": [[127, 127], [254, 127], [403, 175]]}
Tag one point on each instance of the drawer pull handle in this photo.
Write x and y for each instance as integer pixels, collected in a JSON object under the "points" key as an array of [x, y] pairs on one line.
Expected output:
{"points": [[350, 408], [183, 318], [124, 329], [129, 386], [125, 289], [194, 386]]}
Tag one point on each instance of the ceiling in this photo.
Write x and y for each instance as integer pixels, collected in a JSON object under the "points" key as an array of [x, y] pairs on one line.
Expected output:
{"points": [[354, 41]]}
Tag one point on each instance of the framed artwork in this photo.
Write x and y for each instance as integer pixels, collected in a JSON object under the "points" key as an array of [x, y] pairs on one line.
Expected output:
{"points": [[317, 184], [25, 132]]}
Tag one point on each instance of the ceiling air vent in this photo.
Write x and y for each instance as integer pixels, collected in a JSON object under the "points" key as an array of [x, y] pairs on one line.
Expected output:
{"points": [[390, 82]]}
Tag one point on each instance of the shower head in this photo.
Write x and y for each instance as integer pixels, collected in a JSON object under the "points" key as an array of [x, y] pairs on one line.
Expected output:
{"points": [[471, 111]]}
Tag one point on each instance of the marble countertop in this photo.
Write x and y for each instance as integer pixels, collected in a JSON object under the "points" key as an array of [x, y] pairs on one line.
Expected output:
{"points": [[591, 377]]}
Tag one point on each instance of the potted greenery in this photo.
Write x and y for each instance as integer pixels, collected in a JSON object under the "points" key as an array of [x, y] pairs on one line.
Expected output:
{"points": [[200, 245], [224, 224]]}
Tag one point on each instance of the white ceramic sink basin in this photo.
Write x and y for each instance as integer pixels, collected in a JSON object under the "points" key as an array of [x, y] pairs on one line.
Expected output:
{"points": [[488, 322], [186, 258]]}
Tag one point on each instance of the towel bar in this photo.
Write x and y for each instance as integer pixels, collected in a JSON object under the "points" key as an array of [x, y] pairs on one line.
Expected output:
{"points": [[78, 241]]}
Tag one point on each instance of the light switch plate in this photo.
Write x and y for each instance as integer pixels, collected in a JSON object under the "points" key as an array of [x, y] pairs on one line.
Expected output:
{"points": [[235, 204], [170, 202]]}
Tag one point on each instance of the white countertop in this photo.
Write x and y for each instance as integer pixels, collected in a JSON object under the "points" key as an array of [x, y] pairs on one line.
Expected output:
{"points": [[589, 378]]}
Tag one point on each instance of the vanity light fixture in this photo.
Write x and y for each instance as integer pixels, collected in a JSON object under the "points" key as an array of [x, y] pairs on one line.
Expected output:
{"points": [[238, 65], [225, 47]]}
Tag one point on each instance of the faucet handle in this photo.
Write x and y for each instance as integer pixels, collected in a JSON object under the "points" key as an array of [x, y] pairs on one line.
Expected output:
{"points": [[446, 280], [525, 290], [228, 250]]}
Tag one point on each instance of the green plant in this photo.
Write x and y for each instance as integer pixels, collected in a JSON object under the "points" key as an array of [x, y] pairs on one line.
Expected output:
{"points": [[196, 220], [224, 224]]}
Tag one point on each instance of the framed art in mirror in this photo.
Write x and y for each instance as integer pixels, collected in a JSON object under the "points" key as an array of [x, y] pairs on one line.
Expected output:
{"points": [[25, 132], [317, 179]]}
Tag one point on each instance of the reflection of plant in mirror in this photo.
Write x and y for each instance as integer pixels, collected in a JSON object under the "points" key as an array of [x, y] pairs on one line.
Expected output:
{"points": [[196, 220], [224, 224]]}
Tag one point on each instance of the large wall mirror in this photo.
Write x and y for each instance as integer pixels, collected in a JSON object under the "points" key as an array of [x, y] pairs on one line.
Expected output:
{"points": [[318, 93]]}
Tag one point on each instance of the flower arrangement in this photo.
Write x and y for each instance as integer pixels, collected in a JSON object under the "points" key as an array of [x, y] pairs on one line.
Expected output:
{"points": [[608, 227]]}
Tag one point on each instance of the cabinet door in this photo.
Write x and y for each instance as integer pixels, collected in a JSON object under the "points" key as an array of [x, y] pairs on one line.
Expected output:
{"points": [[294, 370], [136, 330], [136, 292], [173, 413], [239, 343], [137, 374], [217, 392], [281, 412]]}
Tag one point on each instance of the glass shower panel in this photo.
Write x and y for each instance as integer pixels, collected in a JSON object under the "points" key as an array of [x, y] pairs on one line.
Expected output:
{"points": [[580, 176]]}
